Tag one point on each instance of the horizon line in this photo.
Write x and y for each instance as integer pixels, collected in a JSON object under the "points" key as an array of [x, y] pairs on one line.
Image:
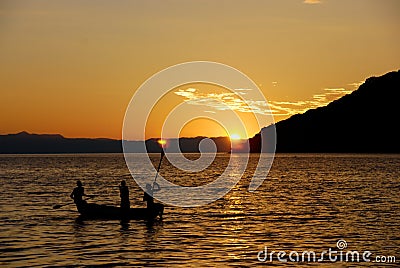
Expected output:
{"points": [[117, 139]]}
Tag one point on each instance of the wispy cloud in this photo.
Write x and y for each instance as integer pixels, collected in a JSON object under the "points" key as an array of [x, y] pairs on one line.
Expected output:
{"points": [[318, 100], [232, 101], [224, 101], [356, 84], [312, 1]]}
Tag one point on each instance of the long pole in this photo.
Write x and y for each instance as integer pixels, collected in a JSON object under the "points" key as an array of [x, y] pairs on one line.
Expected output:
{"points": [[159, 165]]}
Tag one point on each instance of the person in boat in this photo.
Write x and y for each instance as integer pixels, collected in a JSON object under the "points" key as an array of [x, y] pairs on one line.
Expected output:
{"points": [[124, 194], [148, 194], [78, 193]]}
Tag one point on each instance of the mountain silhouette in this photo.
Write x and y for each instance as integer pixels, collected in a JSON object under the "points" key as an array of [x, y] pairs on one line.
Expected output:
{"points": [[24, 142], [364, 121]]}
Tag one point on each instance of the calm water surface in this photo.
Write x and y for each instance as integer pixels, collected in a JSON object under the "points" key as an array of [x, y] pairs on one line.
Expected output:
{"points": [[307, 203]]}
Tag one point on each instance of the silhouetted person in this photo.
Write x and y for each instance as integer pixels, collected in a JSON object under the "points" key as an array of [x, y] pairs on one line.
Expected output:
{"points": [[78, 193], [124, 194], [148, 194]]}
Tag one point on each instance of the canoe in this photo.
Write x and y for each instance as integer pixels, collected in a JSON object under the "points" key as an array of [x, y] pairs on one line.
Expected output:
{"points": [[96, 211]]}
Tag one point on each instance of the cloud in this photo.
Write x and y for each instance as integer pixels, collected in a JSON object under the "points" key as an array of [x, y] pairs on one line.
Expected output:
{"points": [[232, 101], [357, 84], [224, 101], [243, 91], [312, 1], [286, 108]]}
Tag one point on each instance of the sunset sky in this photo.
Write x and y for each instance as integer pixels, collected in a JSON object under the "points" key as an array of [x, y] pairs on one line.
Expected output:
{"points": [[71, 67]]}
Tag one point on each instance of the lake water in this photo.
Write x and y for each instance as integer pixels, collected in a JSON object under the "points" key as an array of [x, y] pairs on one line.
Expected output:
{"points": [[307, 203]]}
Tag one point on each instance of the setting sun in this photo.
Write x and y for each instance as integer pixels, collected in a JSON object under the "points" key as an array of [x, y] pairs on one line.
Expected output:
{"points": [[235, 137], [162, 142]]}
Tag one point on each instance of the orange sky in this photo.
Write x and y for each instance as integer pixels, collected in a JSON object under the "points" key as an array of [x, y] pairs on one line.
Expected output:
{"points": [[71, 67], [204, 117]]}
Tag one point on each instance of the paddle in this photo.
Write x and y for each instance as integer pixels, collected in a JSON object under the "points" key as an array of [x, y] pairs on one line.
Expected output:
{"points": [[159, 165], [70, 203]]}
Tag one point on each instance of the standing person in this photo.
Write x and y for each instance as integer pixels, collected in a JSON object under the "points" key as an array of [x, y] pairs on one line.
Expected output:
{"points": [[124, 194], [148, 194], [78, 193]]}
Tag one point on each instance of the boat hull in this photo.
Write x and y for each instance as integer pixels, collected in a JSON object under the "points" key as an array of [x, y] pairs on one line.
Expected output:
{"points": [[95, 211]]}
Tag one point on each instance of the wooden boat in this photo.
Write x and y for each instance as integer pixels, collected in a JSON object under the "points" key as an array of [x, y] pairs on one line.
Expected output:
{"points": [[96, 211]]}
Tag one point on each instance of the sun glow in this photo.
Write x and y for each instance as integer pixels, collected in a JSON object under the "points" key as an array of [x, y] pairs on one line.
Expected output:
{"points": [[235, 137], [162, 142]]}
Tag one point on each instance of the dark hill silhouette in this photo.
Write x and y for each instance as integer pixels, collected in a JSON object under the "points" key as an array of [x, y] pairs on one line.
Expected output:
{"points": [[24, 142], [364, 121]]}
